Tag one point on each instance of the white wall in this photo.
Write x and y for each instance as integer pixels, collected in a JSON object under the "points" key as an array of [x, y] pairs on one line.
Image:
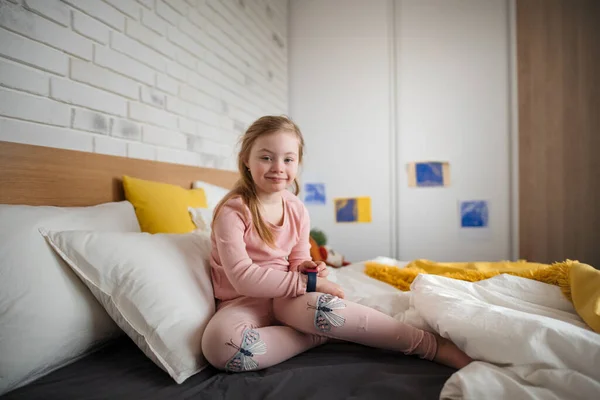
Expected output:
{"points": [[340, 88], [453, 105], [451, 102], [167, 80]]}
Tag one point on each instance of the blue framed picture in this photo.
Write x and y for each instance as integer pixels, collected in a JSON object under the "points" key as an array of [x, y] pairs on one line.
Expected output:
{"points": [[315, 193], [345, 210], [474, 214], [428, 174]]}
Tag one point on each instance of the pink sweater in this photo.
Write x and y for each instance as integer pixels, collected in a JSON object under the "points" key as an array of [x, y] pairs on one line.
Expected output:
{"points": [[243, 265]]}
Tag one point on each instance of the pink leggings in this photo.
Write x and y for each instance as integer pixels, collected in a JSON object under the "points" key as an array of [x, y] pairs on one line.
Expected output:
{"points": [[254, 333]]}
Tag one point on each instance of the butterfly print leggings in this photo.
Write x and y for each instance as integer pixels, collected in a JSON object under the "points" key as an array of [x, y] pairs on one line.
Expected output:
{"points": [[254, 333]]}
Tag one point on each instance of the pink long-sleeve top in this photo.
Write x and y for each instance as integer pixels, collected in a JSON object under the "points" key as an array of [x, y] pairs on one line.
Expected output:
{"points": [[243, 265]]}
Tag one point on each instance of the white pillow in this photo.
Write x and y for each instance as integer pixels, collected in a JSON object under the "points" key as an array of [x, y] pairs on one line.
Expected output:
{"points": [[48, 318], [202, 218], [214, 193], [156, 287]]}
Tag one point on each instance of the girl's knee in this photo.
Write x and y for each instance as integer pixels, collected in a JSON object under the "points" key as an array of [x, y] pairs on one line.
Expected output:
{"points": [[312, 313], [232, 351]]}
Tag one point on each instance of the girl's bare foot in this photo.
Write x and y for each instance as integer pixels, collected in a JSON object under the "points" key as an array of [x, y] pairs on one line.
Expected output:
{"points": [[449, 354]]}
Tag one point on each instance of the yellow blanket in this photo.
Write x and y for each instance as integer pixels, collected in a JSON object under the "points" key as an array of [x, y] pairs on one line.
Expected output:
{"points": [[580, 283]]}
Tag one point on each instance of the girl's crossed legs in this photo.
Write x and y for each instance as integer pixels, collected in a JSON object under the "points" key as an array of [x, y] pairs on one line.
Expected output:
{"points": [[246, 333]]}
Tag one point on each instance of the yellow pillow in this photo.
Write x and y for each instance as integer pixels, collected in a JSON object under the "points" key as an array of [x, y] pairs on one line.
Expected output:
{"points": [[585, 291], [162, 207]]}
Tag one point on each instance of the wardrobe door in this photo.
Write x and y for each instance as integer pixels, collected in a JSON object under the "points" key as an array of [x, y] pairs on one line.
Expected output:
{"points": [[558, 50]]}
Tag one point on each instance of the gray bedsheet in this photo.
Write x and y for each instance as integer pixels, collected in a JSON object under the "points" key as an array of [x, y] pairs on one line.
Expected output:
{"points": [[332, 371]]}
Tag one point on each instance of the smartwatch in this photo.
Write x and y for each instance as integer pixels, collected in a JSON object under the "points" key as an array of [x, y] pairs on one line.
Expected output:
{"points": [[311, 284]]}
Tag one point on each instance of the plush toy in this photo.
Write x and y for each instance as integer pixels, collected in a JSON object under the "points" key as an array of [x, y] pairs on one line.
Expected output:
{"points": [[319, 251]]}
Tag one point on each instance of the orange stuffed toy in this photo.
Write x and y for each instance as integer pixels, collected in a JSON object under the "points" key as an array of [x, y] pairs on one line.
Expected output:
{"points": [[319, 251]]}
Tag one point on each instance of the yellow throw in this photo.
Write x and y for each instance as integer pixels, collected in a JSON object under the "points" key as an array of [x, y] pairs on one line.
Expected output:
{"points": [[580, 283]]}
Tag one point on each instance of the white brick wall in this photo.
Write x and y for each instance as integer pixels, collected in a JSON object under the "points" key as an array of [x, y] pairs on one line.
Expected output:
{"points": [[168, 80]]}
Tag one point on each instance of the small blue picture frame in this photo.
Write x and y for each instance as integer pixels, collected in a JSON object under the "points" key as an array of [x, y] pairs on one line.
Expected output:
{"points": [[315, 193], [474, 214], [429, 174]]}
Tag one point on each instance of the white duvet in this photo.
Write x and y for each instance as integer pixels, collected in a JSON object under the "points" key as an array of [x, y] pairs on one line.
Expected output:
{"points": [[528, 340]]}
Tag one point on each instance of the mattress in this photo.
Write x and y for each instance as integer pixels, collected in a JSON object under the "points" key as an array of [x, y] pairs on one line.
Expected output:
{"points": [[333, 371]]}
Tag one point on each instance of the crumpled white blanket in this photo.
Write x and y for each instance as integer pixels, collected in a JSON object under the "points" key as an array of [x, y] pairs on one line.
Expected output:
{"points": [[528, 340]]}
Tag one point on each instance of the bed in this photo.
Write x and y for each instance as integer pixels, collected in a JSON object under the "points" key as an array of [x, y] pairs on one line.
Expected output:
{"points": [[115, 368]]}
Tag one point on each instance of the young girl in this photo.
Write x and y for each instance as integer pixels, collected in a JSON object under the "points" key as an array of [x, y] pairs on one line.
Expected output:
{"points": [[260, 251]]}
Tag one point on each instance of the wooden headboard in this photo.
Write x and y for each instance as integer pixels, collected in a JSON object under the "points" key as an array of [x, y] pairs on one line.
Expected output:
{"points": [[36, 175]]}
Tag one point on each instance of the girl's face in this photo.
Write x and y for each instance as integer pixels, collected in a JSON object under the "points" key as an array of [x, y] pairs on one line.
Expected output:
{"points": [[273, 161]]}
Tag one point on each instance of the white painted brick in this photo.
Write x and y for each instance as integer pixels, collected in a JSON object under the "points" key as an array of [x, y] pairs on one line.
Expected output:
{"points": [[100, 10], [178, 106], [205, 130], [141, 151], [203, 145], [33, 53], [207, 42], [245, 27], [163, 137], [177, 71], [200, 21], [102, 78], [146, 3], [90, 27], [91, 121], [208, 71], [128, 7], [197, 97], [86, 96], [153, 97], [125, 129], [44, 135], [185, 42], [202, 114], [150, 38], [227, 68], [245, 118], [213, 68], [110, 146], [33, 108], [167, 12], [179, 6], [143, 113], [53, 9], [167, 84], [19, 77], [206, 85], [225, 122], [123, 64], [38, 28], [192, 31], [185, 58], [178, 157], [187, 125], [152, 21], [140, 52]]}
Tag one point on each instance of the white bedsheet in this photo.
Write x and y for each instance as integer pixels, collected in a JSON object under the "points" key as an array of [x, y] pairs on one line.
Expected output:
{"points": [[528, 340]]}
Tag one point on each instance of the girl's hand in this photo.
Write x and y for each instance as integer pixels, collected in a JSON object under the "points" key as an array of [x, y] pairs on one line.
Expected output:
{"points": [[321, 268], [325, 286]]}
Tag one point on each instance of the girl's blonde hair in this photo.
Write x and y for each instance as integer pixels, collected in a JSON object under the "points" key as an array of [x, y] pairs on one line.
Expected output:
{"points": [[245, 186]]}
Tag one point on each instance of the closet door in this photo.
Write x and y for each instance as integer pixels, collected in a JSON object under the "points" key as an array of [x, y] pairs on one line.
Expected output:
{"points": [[453, 104], [558, 50]]}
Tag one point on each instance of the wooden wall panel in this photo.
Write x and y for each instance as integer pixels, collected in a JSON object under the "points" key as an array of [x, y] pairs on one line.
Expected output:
{"points": [[558, 58]]}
